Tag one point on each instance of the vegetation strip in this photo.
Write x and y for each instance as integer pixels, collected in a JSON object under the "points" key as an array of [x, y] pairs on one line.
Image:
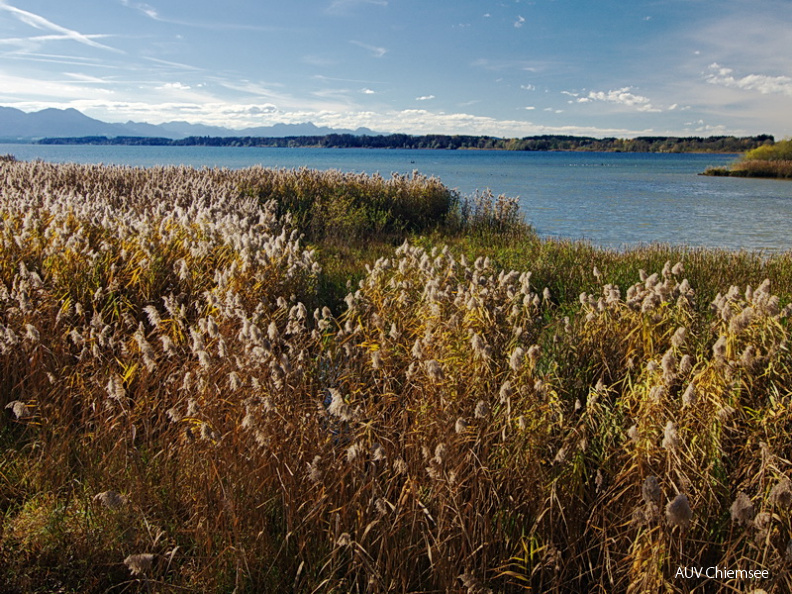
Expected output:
{"points": [[771, 160], [642, 144]]}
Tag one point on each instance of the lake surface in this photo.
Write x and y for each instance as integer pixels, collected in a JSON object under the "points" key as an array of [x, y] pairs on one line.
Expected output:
{"points": [[612, 199]]}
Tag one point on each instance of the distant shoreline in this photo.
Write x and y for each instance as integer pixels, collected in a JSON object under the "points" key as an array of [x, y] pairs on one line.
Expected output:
{"points": [[648, 144]]}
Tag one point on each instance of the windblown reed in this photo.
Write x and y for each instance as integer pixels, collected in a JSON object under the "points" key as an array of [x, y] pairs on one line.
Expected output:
{"points": [[182, 412]]}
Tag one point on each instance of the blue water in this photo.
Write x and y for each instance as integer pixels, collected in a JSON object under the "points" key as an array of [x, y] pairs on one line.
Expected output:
{"points": [[611, 199]]}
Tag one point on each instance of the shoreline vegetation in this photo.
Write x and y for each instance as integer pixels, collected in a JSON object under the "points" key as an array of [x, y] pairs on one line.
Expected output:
{"points": [[299, 381], [768, 161], [646, 144]]}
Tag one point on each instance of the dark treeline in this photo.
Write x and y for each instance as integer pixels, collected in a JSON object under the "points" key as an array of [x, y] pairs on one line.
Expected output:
{"points": [[642, 144]]}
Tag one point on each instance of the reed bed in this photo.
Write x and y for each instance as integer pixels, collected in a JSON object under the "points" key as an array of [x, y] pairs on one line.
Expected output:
{"points": [[182, 412], [781, 169], [768, 160]]}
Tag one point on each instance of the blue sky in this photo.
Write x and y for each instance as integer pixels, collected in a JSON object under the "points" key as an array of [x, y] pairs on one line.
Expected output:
{"points": [[506, 68]]}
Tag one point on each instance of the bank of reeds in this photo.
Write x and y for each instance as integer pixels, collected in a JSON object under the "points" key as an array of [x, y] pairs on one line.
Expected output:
{"points": [[771, 160], [176, 418]]}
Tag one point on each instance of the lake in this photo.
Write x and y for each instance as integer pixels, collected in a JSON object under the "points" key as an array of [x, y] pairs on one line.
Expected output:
{"points": [[611, 199]]}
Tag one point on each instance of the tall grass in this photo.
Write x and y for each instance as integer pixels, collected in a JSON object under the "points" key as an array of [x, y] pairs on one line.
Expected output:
{"points": [[772, 160], [542, 416], [781, 169]]}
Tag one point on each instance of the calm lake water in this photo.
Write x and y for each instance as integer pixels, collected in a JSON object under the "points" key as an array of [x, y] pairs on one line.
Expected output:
{"points": [[612, 199]]}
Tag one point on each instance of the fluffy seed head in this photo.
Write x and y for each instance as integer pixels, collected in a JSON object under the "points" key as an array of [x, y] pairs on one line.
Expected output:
{"points": [[669, 365], [742, 510], [338, 408], [689, 397], [651, 490], [516, 359], [685, 365], [473, 585], [110, 499], [781, 494], [478, 346], [377, 453], [670, 437], [748, 357], [433, 370], [460, 425], [139, 564], [719, 348], [678, 512], [19, 409], [678, 339], [440, 453], [741, 321], [315, 470]]}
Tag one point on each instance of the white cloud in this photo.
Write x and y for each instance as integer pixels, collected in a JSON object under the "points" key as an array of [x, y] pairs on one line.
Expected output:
{"points": [[368, 91], [37, 90], [233, 115], [146, 9], [621, 96], [154, 14], [42, 24], [175, 86], [528, 87], [85, 78], [764, 84], [530, 108], [424, 97], [377, 52], [519, 22], [31, 43]]}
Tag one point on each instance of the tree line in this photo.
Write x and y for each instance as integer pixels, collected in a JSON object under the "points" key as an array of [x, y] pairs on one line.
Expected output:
{"points": [[641, 144]]}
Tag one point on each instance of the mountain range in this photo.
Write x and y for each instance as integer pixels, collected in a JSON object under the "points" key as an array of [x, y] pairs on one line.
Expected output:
{"points": [[17, 125]]}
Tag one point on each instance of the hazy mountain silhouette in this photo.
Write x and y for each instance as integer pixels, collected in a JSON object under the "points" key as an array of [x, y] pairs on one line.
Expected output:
{"points": [[16, 124]]}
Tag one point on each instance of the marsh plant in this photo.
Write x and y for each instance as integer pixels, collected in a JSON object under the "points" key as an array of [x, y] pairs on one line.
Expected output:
{"points": [[181, 412]]}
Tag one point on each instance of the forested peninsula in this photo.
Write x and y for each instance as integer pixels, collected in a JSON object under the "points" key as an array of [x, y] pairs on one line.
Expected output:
{"points": [[642, 144]]}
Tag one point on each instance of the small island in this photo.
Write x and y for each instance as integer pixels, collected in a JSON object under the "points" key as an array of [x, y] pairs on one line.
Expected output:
{"points": [[768, 160]]}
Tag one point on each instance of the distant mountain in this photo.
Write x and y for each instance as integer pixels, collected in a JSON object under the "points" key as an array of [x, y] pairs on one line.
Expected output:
{"points": [[18, 125]]}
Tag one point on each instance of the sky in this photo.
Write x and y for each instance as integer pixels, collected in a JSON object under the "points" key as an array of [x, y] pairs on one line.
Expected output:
{"points": [[505, 68]]}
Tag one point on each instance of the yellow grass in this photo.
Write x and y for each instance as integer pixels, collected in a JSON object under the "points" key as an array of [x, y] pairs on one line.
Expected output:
{"points": [[176, 419]]}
